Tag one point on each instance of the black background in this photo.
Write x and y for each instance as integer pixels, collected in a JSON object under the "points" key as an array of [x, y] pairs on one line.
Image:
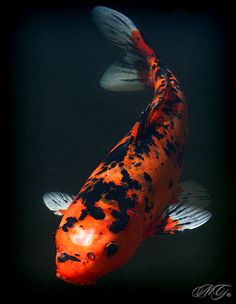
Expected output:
{"points": [[59, 124]]}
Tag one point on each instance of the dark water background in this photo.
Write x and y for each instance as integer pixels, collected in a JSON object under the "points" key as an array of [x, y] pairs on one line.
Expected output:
{"points": [[62, 124]]}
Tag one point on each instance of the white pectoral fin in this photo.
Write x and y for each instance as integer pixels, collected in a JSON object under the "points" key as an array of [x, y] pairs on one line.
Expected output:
{"points": [[181, 217], [57, 201], [194, 194], [187, 212]]}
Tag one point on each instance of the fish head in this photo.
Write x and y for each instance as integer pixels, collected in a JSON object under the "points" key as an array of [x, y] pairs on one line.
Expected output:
{"points": [[87, 249]]}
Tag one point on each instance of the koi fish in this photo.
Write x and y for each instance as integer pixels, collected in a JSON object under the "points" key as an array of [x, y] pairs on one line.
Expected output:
{"points": [[135, 192]]}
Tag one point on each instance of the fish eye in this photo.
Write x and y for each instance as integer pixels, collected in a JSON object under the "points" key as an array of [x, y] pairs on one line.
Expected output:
{"points": [[111, 248]]}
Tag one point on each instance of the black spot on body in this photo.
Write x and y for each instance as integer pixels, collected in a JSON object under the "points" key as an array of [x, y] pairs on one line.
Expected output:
{"points": [[120, 225], [158, 135], [119, 194], [171, 122], [169, 148], [64, 257], [115, 192], [147, 177], [113, 164], [111, 249], [140, 149], [180, 115], [116, 214], [83, 214], [138, 153], [118, 154], [171, 184], [172, 101], [95, 212], [166, 126], [112, 192], [92, 196], [167, 111], [154, 66], [70, 221], [146, 140], [131, 183], [148, 205]]}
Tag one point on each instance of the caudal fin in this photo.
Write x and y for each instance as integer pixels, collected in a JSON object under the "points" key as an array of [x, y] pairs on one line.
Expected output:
{"points": [[131, 73]]}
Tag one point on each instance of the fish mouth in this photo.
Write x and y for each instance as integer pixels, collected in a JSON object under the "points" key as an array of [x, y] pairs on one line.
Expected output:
{"points": [[87, 281]]}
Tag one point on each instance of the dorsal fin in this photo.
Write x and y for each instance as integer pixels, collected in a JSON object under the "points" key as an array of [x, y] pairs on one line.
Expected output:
{"points": [[147, 121]]}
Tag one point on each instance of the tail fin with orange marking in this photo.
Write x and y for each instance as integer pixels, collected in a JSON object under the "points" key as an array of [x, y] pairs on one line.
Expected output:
{"points": [[131, 73]]}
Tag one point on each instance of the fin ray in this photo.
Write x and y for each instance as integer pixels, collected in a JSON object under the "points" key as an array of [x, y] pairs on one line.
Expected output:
{"points": [[57, 201], [186, 211], [194, 194], [182, 217], [132, 72]]}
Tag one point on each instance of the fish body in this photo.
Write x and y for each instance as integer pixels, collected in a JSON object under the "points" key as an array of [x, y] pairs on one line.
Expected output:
{"points": [[134, 192]]}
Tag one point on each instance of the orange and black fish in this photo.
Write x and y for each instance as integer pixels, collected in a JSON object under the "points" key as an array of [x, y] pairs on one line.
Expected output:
{"points": [[134, 193]]}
